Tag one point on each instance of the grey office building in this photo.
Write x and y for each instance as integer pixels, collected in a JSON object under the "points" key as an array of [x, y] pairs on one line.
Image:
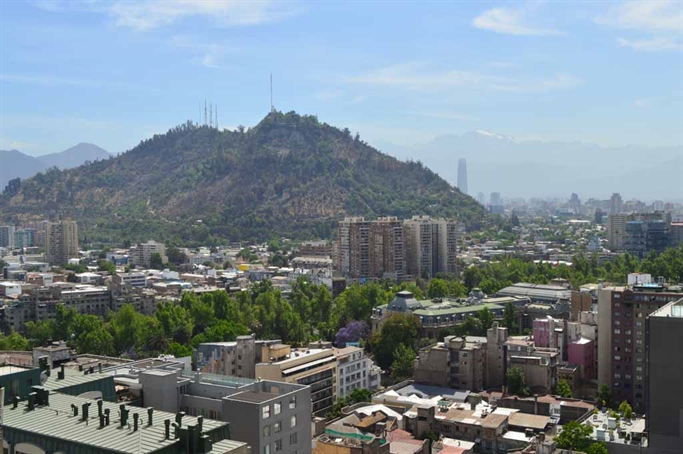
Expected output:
{"points": [[664, 378]]}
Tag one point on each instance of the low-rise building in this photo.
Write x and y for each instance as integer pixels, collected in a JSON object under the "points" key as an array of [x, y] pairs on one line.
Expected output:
{"points": [[237, 358], [355, 371], [457, 362]]}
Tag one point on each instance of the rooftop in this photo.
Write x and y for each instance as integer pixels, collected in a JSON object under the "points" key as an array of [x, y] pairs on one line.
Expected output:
{"points": [[8, 370], [673, 309], [257, 397], [57, 421], [601, 423]]}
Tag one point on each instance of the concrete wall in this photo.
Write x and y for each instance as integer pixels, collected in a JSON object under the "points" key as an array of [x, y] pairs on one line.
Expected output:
{"points": [[431, 367], [605, 333], [160, 390]]}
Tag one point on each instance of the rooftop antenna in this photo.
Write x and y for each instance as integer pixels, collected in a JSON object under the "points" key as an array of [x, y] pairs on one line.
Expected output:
{"points": [[272, 108]]}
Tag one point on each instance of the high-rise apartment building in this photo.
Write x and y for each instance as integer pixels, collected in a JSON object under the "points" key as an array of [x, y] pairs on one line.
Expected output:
{"points": [[141, 254], [642, 237], [7, 236], [462, 175], [618, 237], [615, 203], [61, 242], [431, 246], [371, 249], [622, 345], [664, 376]]}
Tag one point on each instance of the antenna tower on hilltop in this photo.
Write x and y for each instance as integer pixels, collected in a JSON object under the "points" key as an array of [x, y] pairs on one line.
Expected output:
{"points": [[272, 107], [205, 111], [216, 122]]}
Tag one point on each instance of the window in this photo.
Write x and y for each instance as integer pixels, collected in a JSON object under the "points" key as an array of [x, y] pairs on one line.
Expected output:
{"points": [[265, 411], [266, 449], [277, 408], [278, 445], [617, 376], [266, 431], [277, 427], [617, 331], [292, 421], [617, 357], [292, 439], [292, 402]]}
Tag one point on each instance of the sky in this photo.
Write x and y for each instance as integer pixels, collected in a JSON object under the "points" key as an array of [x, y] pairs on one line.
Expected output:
{"points": [[114, 73]]}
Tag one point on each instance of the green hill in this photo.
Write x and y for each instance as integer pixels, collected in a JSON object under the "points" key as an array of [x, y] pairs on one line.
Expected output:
{"points": [[290, 175]]}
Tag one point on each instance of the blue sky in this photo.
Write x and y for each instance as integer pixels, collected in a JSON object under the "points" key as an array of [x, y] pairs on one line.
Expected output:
{"points": [[113, 73]]}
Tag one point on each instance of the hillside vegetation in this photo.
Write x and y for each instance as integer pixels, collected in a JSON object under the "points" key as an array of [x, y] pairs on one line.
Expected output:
{"points": [[289, 175]]}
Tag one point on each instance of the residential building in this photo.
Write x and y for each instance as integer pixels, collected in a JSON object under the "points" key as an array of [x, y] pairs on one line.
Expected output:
{"points": [[641, 237], [237, 358], [458, 363], [539, 365], [56, 422], [315, 249], [617, 235], [675, 233], [664, 376], [371, 249], [496, 356], [313, 367], [61, 242], [431, 246], [615, 203], [621, 348], [132, 279], [355, 371], [7, 236], [141, 253]]}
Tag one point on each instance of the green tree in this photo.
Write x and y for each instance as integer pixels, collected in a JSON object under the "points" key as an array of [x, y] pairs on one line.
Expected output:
{"points": [[402, 367], [106, 265], [155, 261], [604, 396], [14, 342], [516, 382], [598, 448], [509, 319], [626, 410], [399, 329], [563, 389], [485, 316], [574, 436], [178, 350], [437, 288], [99, 342]]}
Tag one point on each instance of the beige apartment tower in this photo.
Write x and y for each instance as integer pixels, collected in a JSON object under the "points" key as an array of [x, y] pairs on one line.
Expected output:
{"points": [[61, 241], [371, 249], [431, 246]]}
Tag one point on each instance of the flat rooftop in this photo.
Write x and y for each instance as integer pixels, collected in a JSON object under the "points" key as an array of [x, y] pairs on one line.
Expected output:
{"points": [[257, 397], [673, 309], [8, 370]]}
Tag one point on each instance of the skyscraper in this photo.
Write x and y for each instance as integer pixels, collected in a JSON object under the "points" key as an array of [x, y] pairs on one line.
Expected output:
{"points": [[462, 175], [431, 246], [61, 242], [615, 203]]}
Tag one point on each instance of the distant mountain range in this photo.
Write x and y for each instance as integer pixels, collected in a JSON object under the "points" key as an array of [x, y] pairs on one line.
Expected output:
{"points": [[289, 175], [525, 168], [15, 164]]}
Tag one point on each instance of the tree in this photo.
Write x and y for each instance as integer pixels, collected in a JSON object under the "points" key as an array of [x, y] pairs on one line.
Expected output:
{"points": [[14, 342], [604, 396], [563, 389], [574, 436], [437, 288], [399, 329], [98, 342], [598, 448], [353, 332], [402, 367], [626, 410], [509, 319], [516, 382], [155, 261], [486, 318]]}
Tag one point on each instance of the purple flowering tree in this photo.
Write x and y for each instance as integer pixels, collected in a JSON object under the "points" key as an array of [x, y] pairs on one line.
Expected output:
{"points": [[353, 332]]}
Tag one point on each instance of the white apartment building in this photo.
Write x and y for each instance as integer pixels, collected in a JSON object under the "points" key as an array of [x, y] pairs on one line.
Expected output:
{"points": [[141, 254], [355, 371], [431, 246]]}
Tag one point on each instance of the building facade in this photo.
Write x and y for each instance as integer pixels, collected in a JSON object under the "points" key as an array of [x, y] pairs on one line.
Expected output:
{"points": [[664, 376], [355, 371], [141, 254], [431, 246], [61, 241]]}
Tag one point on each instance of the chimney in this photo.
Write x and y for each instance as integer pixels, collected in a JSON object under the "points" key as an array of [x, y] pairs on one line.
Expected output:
{"points": [[200, 424], [60, 374], [150, 413], [32, 401], [85, 411], [535, 404], [99, 367], [99, 407], [124, 415], [179, 418], [167, 429], [106, 416], [102, 421], [74, 408], [136, 418]]}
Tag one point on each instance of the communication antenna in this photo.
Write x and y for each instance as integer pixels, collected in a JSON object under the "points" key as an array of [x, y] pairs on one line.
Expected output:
{"points": [[216, 124], [204, 111], [272, 108], [210, 114]]}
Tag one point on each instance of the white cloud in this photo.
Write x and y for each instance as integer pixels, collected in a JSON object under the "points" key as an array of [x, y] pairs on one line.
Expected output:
{"points": [[411, 76], [649, 15], [662, 20], [510, 21], [146, 15], [655, 44]]}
